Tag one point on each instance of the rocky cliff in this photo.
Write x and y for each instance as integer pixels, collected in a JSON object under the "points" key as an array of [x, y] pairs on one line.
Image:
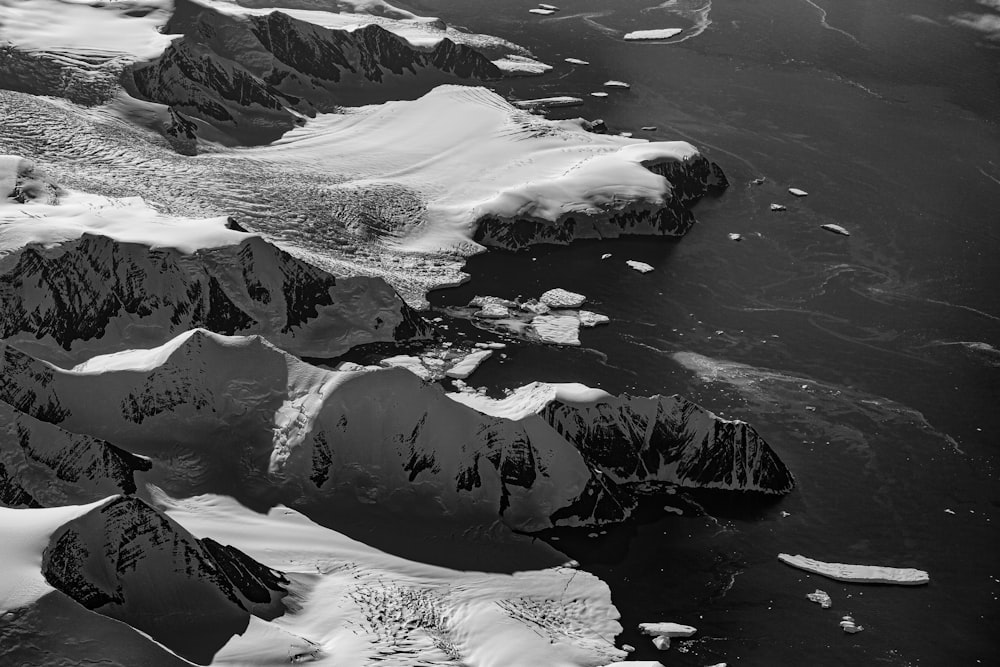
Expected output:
{"points": [[96, 295]]}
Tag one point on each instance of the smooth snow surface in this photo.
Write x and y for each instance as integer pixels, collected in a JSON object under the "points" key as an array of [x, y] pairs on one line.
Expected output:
{"points": [[641, 267], [24, 535], [467, 153], [362, 605], [863, 574], [86, 29], [665, 33]]}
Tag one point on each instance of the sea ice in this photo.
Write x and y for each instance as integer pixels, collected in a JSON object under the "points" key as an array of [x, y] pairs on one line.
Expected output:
{"points": [[864, 574], [412, 364], [649, 128], [836, 229], [542, 12], [641, 267], [549, 7], [493, 311], [548, 102], [614, 83], [577, 61], [589, 319], [667, 629], [821, 598], [518, 65], [797, 192], [606, 255], [777, 207], [560, 298], [557, 329], [599, 93], [661, 642], [468, 364], [735, 237], [665, 33], [625, 134]]}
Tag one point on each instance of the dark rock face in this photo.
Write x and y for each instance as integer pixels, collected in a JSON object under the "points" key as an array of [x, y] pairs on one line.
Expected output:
{"points": [[690, 180], [670, 439], [84, 79], [12, 494], [57, 467], [244, 73], [86, 297], [127, 561]]}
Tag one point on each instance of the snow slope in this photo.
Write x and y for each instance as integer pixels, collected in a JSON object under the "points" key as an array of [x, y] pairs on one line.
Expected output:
{"points": [[478, 170], [237, 414], [84, 274]]}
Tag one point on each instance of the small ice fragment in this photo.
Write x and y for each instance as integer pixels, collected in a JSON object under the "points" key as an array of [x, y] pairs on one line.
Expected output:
{"points": [[591, 535], [599, 93], [556, 102], [735, 237], [628, 648], [492, 311], [615, 83], [947, 511], [852, 628], [778, 207], [667, 629], [664, 33], [797, 192], [560, 298], [673, 510], [759, 180], [858, 573], [785, 514], [625, 134], [549, 7], [577, 61], [542, 12], [468, 364], [836, 229], [661, 642], [589, 319], [641, 267], [649, 128], [821, 598], [606, 255]]}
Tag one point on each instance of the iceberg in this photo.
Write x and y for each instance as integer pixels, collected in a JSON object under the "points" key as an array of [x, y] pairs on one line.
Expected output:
{"points": [[560, 298], [664, 33], [641, 267], [859, 574], [836, 229]]}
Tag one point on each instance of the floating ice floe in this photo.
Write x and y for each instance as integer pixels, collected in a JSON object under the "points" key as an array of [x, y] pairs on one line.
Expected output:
{"points": [[542, 12], [517, 65], [577, 61], [667, 629], [468, 364], [606, 255], [548, 102], [641, 267], [778, 207], [493, 311], [589, 319], [551, 8], [599, 93], [664, 33], [758, 181], [649, 128], [557, 329], [849, 626], [560, 298], [836, 229], [821, 598], [735, 237], [624, 134], [863, 574], [662, 643], [614, 83], [798, 193]]}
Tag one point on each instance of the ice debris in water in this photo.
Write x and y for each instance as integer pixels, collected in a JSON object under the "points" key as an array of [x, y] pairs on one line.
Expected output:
{"points": [[560, 298], [599, 93], [735, 237], [577, 61], [849, 626], [649, 128], [606, 255], [551, 8], [821, 598], [667, 629], [873, 574], [542, 12], [661, 642], [664, 33], [615, 83], [797, 192], [836, 229], [778, 207], [641, 267]]}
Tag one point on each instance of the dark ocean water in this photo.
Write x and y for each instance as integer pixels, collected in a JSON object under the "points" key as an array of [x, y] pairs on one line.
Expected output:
{"points": [[869, 362]]}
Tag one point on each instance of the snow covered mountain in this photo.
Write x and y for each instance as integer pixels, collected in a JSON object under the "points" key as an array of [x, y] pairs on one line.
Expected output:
{"points": [[88, 275], [208, 581], [236, 414]]}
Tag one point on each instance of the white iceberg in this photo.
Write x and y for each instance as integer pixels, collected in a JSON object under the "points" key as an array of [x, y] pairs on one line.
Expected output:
{"points": [[589, 319], [548, 102], [836, 229], [465, 367], [560, 298], [862, 574], [641, 267], [599, 93], [614, 83], [667, 629], [542, 12], [798, 193], [577, 61], [557, 329], [777, 207], [664, 33], [821, 598]]}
